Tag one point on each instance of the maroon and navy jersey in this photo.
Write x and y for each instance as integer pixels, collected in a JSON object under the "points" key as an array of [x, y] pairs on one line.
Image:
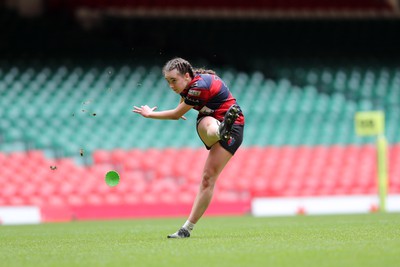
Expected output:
{"points": [[210, 96]]}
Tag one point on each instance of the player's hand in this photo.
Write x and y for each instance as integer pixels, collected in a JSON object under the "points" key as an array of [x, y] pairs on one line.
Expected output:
{"points": [[145, 110]]}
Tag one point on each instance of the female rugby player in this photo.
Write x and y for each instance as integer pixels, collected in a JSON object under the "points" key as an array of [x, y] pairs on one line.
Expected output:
{"points": [[220, 125]]}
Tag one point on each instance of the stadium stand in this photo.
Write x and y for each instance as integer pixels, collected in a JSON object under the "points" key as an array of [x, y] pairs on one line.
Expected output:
{"points": [[305, 146]]}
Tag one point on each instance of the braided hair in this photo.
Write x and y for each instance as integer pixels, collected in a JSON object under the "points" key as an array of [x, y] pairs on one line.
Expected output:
{"points": [[183, 66]]}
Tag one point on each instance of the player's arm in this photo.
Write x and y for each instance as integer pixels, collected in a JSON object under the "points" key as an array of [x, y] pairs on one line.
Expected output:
{"points": [[180, 101], [172, 114]]}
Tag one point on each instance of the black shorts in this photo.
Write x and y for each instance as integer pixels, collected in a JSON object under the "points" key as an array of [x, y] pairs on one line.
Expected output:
{"points": [[233, 143]]}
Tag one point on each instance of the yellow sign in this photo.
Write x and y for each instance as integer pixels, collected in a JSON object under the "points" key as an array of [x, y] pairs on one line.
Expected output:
{"points": [[370, 123]]}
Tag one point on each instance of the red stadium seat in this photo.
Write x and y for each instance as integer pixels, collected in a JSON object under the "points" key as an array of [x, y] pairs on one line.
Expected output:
{"points": [[101, 156], [118, 156], [36, 156], [185, 197]]}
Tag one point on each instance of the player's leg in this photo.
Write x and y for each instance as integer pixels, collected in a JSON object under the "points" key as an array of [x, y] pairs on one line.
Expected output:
{"points": [[208, 130], [215, 163], [217, 137], [217, 159]]}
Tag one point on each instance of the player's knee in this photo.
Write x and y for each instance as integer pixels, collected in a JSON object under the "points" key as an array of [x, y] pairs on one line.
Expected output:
{"points": [[208, 180]]}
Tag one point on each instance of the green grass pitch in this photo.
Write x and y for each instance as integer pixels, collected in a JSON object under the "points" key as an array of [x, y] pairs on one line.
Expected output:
{"points": [[345, 240]]}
